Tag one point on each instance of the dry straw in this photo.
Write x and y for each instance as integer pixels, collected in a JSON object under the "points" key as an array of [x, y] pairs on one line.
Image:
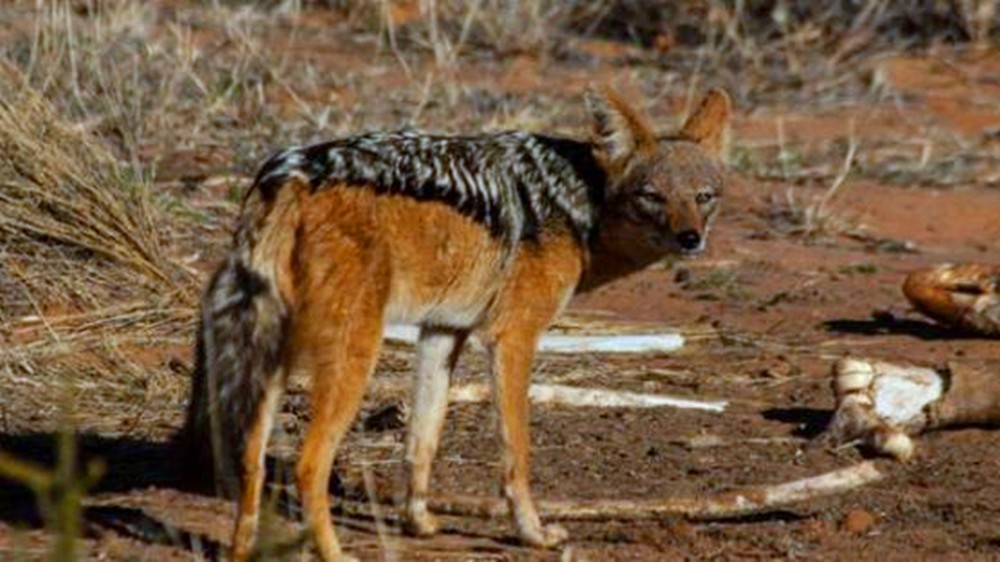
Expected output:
{"points": [[58, 185], [84, 272]]}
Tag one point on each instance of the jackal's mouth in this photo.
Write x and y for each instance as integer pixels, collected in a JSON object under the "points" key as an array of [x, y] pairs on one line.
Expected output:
{"points": [[691, 253]]}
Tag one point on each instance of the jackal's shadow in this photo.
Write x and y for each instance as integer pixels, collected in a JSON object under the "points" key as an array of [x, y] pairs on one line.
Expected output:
{"points": [[130, 464], [135, 464]]}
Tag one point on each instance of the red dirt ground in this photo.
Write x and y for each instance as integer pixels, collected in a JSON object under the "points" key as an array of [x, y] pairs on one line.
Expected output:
{"points": [[766, 313]]}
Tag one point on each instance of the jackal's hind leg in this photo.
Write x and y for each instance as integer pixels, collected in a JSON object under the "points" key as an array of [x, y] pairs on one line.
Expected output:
{"points": [[252, 470], [339, 352], [437, 353]]}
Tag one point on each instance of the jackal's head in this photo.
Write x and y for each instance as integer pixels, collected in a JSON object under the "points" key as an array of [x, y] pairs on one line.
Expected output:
{"points": [[662, 191]]}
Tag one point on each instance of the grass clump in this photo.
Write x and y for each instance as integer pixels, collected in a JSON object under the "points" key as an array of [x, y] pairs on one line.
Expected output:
{"points": [[85, 269]]}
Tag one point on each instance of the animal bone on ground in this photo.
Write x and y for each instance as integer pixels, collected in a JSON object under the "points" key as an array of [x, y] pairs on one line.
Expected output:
{"points": [[704, 507], [594, 397], [964, 296], [881, 405], [658, 342]]}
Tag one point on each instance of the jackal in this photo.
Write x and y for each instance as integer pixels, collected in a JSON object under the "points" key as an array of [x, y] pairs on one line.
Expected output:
{"points": [[489, 234]]}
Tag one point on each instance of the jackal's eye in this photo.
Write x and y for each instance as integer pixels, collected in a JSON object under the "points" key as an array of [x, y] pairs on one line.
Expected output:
{"points": [[651, 195], [704, 197]]}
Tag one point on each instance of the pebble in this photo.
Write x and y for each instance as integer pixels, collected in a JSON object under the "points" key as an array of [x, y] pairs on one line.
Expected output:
{"points": [[857, 522]]}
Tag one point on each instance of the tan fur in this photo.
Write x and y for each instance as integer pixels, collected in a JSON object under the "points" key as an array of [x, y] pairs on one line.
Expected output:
{"points": [[622, 130], [360, 259], [707, 125]]}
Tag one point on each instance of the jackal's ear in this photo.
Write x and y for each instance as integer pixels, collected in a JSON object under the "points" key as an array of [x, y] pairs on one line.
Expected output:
{"points": [[707, 125], [619, 130]]}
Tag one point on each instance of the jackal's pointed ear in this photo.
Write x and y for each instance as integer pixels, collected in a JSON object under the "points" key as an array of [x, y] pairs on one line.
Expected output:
{"points": [[619, 130], [707, 125]]}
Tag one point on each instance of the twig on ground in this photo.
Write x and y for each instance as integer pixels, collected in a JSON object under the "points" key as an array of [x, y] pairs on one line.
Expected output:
{"points": [[385, 546], [710, 441]]}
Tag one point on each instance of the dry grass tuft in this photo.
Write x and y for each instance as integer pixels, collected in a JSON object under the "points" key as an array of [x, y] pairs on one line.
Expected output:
{"points": [[61, 188], [86, 275], [817, 216]]}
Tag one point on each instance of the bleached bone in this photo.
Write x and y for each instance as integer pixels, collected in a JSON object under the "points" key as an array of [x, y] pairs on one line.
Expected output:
{"points": [[882, 404], [573, 343], [595, 397], [720, 505]]}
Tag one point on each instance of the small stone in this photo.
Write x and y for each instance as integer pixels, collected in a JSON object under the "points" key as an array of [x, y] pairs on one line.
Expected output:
{"points": [[682, 275], [683, 530], [858, 522]]}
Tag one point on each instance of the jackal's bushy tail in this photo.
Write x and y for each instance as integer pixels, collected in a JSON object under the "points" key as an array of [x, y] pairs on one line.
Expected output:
{"points": [[241, 339]]}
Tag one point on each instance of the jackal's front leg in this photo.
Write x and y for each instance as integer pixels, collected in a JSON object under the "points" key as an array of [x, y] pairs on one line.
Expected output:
{"points": [[437, 353], [539, 285], [513, 353]]}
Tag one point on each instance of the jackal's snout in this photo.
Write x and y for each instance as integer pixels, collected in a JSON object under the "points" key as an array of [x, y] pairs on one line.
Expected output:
{"points": [[690, 241], [687, 223]]}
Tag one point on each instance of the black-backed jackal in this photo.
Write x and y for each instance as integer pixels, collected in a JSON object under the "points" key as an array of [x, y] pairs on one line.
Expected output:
{"points": [[491, 233]]}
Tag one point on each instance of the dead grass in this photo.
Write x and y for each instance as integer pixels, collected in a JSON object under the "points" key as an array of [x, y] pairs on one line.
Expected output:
{"points": [[60, 187], [817, 216], [87, 272]]}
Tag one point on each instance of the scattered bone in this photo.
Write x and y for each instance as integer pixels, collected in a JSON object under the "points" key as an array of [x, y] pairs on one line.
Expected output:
{"points": [[881, 404], [900, 393], [627, 343], [588, 397], [721, 505], [972, 397], [573, 343], [710, 441], [965, 296]]}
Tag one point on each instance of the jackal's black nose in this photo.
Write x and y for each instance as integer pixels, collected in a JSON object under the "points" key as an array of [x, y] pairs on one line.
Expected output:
{"points": [[689, 239]]}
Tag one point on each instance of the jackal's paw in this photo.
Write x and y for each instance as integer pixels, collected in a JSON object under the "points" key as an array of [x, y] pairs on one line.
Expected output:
{"points": [[420, 523], [881, 404], [545, 536]]}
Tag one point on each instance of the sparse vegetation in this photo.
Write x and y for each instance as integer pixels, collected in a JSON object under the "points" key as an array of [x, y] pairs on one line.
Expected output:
{"points": [[862, 268], [59, 491], [715, 284]]}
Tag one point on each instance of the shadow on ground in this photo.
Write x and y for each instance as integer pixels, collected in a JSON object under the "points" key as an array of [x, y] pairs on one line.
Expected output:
{"points": [[131, 464], [888, 325], [135, 464], [809, 422]]}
